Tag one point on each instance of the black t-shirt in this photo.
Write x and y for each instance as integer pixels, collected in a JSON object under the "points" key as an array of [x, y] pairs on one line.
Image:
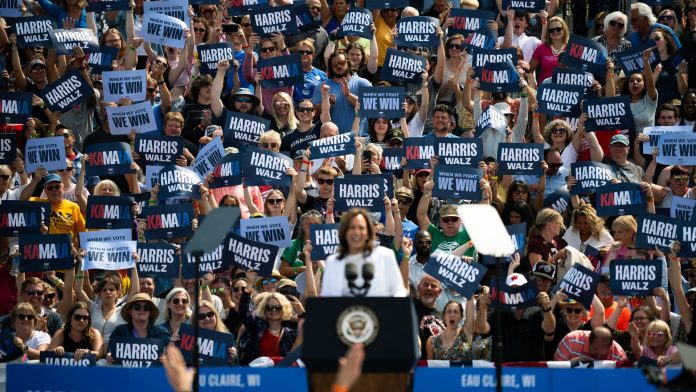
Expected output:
{"points": [[99, 136], [429, 324], [193, 117], [297, 140], [523, 339]]}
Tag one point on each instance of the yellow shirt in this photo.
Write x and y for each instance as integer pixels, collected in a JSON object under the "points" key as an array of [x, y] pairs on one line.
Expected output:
{"points": [[384, 40], [66, 218]]}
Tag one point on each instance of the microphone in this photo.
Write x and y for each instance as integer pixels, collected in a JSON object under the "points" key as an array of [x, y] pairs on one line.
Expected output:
{"points": [[368, 271], [351, 272]]}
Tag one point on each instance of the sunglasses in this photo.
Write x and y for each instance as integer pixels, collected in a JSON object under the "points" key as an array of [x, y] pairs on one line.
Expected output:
{"points": [[614, 23], [269, 281], [208, 11], [50, 296], [281, 104], [243, 99], [450, 219], [657, 38], [151, 89], [218, 290], [322, 181], [66, 135], [681, 178], [573, 310], [142, 307], [209, 315], [67, 169], [556, 30], [35, 293], [269, 145], [268, 49], [183, 301], [396, 143], [246, 24], [80, 318], [26, 317], [315, 8], [555, 165], [273, 308], [305, 110], [305, 52], [428, 242], [658, 334], [691, 9], [454, 46], [404, 201], [276, 202], [5, 177], [424, 174], [199, 30], [666, 17], [558, 131], [339, 63], [158, 61], [52, 188], [237, 289]]}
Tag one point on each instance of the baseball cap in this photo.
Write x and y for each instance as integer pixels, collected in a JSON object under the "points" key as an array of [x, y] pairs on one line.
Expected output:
{"points": [[34, 62], [395, 133], [516, 280], [52, 178], [545, 270], [422, 171], [689, 265], [404, 192], [503, 108], [619, 139], [448, 210]]}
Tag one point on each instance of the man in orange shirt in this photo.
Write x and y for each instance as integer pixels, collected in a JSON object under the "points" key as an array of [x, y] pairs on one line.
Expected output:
{"points": [[605, 295]]}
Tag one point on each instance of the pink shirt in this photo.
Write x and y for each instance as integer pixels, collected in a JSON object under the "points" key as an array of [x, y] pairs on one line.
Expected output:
{"points": [[238, 191], [649, 353], [547, 62]]}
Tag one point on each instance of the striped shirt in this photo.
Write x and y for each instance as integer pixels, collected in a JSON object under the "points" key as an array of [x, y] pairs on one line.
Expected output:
{"points": [[577, 343]]}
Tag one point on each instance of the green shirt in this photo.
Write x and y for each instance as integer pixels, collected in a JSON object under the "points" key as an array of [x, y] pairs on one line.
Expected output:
{"points": [[292, 252], [448, 244]]}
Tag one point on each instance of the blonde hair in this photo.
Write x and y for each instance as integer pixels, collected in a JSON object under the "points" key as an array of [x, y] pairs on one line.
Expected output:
{"points": [[564, 25], [293, 123], [376, 149], [98, 188], [219, 325], [262, 301], [168, 299], [544, 217], [659, 326], [270, 135], [596, 223], [626, 222]]}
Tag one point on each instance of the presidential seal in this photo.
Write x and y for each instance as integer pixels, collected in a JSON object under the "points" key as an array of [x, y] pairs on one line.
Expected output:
{"points": [[357, 324]]}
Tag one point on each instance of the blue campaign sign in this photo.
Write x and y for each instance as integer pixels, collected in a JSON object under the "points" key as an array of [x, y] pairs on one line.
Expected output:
{"points": [[46, 152], [266, 20], [168, 221], [356, 23], [64, 41], [608, 113], [457, 182], [381, 101], [8, 148], [625, 198], [244, 129], [136, 352], [682, 208], [67, 359], [324, 239], [365, 192], [402, 67], [580, 284], [333, 146], [11, 9], [459, 151], [500, 77], [574, 77], [657, 131], [107, 5], [482, 38], [456, 273], [683, 54], [391, 161], [281, 71], [264, 167], [635, 277], [518, 235], [656, 230], [491, 118], [48, 252], [418, 151], [467, 21], [429, 379], [102, 60], [158, 149], [482, 57], [23, 217], [212, 53], [677, 149], [273, 230], [158, 260], [228, 172], [66, 92], [532, 6], [15, 107], [511, 298], [208, 156], [213, 346], [305, 20], [8, 350], [417, 32], [687, 237], [214, 262], [250, 254], [108, 159], [125, 84], [244, 7], [177, 181], [631, 60], [559, 200], [585, 54], [109, 212], [520, 158], [109, 256], [162, 29], [557, 99], [388, 179], [138, 117], [385, 4], [589, 177]]}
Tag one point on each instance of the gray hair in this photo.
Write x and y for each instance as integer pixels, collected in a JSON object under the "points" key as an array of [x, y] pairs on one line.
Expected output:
{"points": [[644, 10], [168, 299], [618, 16]]}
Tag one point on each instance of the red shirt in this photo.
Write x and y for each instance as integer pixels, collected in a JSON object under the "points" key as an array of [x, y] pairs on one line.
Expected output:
{"points": [[269, 345], [8, 291]]}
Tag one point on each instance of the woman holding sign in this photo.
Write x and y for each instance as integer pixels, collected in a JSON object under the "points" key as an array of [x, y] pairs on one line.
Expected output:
{"points": [[669, 86], [545, 57], [657, 344], [209, 318], [69, 14], [77, 336], [641, 88], [23, 320], [177, 311]]}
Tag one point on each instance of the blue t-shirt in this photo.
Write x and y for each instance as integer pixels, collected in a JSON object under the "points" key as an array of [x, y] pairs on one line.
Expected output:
{"points": [[312, 81], [342, 112]]}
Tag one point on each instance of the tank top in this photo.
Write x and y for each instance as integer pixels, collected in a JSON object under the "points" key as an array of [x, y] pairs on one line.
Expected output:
{"points": [[71, 346], [460, 350]]}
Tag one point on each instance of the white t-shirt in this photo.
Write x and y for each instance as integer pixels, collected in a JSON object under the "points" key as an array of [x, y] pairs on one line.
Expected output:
{"points": [[106, 327], [572, 237], [644, 113], [387, 280], [37, 339], [526, 43]]}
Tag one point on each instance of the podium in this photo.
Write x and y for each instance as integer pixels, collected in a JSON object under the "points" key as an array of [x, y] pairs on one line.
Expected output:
{"points": [[387, 328]]}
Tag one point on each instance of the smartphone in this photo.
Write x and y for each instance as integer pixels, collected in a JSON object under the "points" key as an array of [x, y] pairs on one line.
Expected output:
{"points": [[367, 155], [230, 28], [211, 128]]}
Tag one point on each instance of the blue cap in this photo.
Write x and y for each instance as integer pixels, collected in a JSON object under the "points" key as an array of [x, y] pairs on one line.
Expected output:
{"points": [[52, 178]]}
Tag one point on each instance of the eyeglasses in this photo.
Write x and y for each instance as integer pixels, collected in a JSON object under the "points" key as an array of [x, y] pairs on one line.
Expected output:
{"points": [[273, 308], [50, 296], [657, 38], [52, 188], [80, 318], [658, 334], [5, 177], [450, 219], [454, 46], [199, 30], [315, 8], [276, 202], [327, 181], [281, 104], [681, 178], [183, 301], [67, 169], [404, 201], [269, 145], [305, 52], [269, 281], [151, 89], [573, 310], [339, 63], [243, 99], [614, 23], [35, 293], [642, 318], [268, 49], [558, 131], [29, 317], [142, 307], [237, 289], [305, 110], [209, 315]]}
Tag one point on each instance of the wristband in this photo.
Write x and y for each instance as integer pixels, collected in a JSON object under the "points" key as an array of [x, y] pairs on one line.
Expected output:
{"points": [[152, 202], [160, 83], [20, 172], [338, 388], [329, 212], [305, 162], [80, 276], [321, 269], [469, 81], [203, 287], [133, 48], [536, 115]]}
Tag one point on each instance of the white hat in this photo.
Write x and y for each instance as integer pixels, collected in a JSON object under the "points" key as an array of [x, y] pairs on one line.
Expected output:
{"points": [[503, 108], [262, 362], [516, 280]]}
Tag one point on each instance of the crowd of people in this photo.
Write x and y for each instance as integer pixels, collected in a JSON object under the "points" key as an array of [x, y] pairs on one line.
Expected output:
{"points": [[76, 311]]}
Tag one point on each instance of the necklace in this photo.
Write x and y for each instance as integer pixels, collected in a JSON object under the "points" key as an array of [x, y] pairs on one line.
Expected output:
{"points": [[556, 52]]}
